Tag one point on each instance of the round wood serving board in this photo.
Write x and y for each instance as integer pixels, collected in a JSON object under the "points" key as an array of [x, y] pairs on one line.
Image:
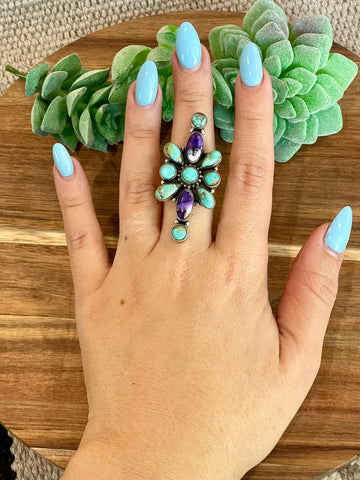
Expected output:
{"points": [[42, 394]]}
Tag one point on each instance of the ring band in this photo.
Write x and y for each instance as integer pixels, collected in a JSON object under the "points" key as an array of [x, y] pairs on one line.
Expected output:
{"points": [[189, 176]]}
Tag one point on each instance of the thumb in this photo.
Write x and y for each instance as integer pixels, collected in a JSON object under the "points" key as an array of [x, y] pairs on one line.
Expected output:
{"points": [[88, 254], [310, 292]]}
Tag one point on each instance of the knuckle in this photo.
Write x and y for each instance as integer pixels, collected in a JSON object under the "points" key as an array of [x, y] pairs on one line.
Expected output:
{"points": [[71, 199], [141, 132], [79, 237], [320, 286], [251, 175], [251, 115], [191, 97], [139, 191]]}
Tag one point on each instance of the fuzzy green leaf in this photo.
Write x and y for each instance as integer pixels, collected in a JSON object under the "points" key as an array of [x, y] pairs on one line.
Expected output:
{"points": [[161, 56], [317, 40], [166, 36], [35, 78], [223, 93], [91, 78], [306, 78], [317, 99], [301, 109], [267, 35], [267, 17], [126, 59], [315, 24], [285, 110], [73, 97], [273, 65], [37, 114], [169, 90], [75, 118], [226, 135], [51, 87], [280, 129], [109, 120], [341, 68], [225, 63], [86, 129], [99, 96], [214, 39], [283, 50], [294, 86], [312, 129], [280, 88], [306, 57], [257, 9], [296, 132], [68, 137], [331, 87], [285, 149], [330, 120], [70, 64], [55, 116], [234, 44]]}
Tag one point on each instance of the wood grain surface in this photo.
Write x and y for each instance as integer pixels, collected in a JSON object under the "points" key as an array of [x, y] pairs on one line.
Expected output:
{"points": [[42, 391]]}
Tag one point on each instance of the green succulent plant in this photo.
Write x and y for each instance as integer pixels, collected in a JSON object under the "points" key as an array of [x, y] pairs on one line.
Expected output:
{"points": [[78, 105], [307, 79]]}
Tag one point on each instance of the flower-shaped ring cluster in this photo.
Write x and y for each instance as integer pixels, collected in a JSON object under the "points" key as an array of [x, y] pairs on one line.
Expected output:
{"points": [[189, 176]]}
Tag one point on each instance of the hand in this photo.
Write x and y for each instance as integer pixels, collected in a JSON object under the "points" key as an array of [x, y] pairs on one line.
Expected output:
{"points": [[188, 373]]}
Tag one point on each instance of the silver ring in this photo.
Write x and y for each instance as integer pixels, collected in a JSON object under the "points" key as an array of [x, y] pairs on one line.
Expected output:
{"points": [[189, 176]]}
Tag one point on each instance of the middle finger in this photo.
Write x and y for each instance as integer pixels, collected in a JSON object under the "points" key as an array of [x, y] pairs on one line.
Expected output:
{"points": [[193, 92]]}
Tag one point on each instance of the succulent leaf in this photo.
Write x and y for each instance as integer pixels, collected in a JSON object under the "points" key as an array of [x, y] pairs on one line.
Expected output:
{"points": [[307, 79], [75, 104]]}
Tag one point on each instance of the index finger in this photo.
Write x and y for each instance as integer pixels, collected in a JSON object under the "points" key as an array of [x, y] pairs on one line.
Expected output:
{"points": [[245, 214]]}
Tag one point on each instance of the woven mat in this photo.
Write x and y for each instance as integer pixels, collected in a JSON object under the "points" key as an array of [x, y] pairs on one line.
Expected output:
{"points": [[31, 30]]}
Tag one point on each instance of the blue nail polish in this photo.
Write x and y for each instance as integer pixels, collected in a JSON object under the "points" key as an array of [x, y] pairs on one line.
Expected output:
{"points": [[146, 83], [188, 46], [62, 160], [251, 69], [338, 233]]}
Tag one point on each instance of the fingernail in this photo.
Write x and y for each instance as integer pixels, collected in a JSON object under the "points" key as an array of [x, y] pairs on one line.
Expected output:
{"points": [[338, 233], [251, 70], [146, 83], [188, 46], [62, 160]]}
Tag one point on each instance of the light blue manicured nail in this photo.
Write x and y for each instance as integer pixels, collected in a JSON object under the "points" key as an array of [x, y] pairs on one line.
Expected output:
{"points": [[146, 83], [62, 160], [251, 65], [338, 233], [188, 46]]}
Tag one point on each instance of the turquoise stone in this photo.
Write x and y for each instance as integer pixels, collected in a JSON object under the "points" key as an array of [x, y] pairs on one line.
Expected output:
{"points": [[172, 151], [166, 191], [168, 171], [199, 120], [212, 179], [179, 232], [206, 198], [211, 159], [190, 174]]}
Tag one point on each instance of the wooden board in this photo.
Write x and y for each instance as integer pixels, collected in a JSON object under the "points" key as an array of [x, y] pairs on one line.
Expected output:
{"points": [[42, 394]]}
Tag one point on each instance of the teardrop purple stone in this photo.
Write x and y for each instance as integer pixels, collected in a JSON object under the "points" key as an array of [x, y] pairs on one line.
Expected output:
{"points": [[184, 204], [194, 146]]}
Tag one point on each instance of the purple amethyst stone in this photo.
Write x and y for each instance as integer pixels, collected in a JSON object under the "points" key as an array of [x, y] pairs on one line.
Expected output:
{"points": [[194, 147], [184, 204]]}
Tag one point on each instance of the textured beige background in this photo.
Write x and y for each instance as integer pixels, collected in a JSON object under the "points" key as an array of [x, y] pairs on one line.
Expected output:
{"points": [[30, 30]]}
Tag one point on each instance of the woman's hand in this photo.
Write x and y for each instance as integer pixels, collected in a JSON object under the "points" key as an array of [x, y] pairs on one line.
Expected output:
{"points": [[188, 373]]}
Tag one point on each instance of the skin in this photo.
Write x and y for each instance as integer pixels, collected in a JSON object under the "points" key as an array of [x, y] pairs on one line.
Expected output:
{"points": [[188, 372]]}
